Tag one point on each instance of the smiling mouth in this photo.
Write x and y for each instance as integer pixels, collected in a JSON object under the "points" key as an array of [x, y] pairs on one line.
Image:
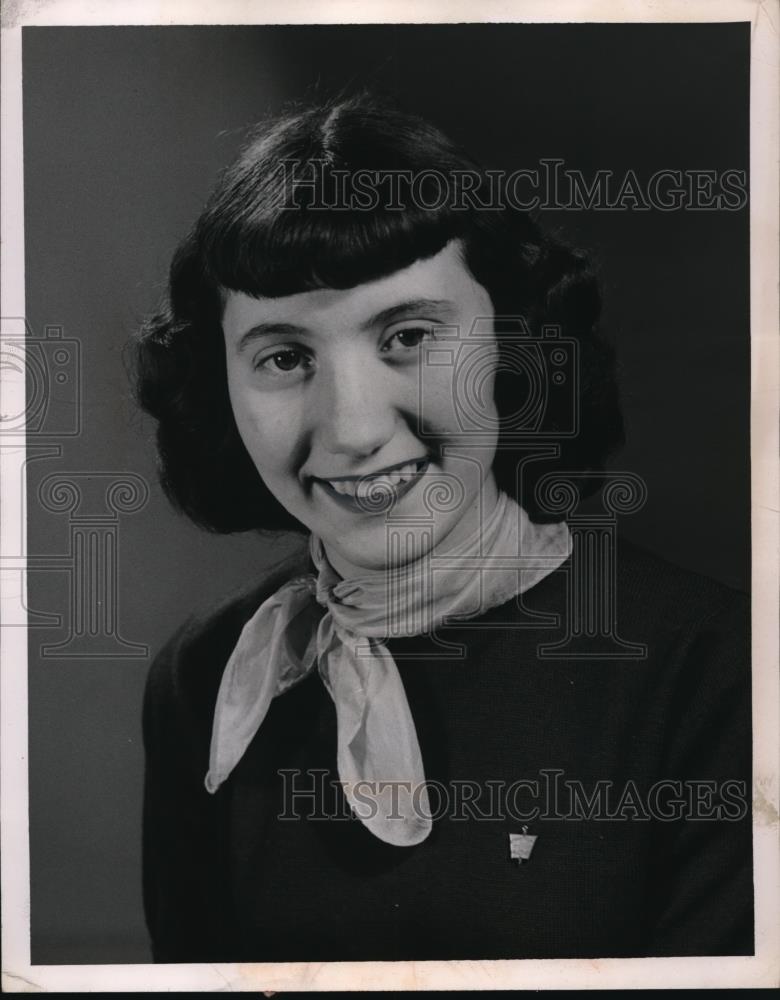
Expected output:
{"points": [[375, 492]]}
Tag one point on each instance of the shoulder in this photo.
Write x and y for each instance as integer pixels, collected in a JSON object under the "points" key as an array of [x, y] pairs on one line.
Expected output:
{"points": [[644, 599], [652, 588], [696, 633], [641, 631], [187, 670]]}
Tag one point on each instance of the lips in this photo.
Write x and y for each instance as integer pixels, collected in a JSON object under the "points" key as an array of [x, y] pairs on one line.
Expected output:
{"points": [[374, 492]]}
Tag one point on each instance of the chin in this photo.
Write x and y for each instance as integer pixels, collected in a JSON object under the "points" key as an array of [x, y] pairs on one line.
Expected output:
{"points": [[388, 545]]}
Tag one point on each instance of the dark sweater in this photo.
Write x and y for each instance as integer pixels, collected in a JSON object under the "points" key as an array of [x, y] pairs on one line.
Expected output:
{"points": [[226, 879]]}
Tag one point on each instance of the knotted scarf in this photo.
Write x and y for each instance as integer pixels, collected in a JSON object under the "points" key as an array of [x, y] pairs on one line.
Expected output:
{"points": [[340, 626]]}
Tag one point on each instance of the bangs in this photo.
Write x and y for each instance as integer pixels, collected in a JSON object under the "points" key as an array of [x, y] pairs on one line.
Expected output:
{"points": [[297, 249]]}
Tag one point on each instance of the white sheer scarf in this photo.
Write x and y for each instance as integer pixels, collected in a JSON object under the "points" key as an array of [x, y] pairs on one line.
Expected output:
{"points": [[340, 627]]}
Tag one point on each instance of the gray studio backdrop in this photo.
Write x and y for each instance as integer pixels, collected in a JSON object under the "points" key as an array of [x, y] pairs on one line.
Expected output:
{"points": [[124, 131]]}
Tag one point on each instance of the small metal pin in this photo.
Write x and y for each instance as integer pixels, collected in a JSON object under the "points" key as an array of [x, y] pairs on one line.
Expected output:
{"points": [[521, 845]]}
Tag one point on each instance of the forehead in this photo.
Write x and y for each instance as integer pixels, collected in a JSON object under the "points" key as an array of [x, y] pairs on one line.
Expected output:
{"points": [[443, 278]]}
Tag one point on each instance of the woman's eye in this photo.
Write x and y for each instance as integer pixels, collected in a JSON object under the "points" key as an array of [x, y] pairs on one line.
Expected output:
{"points": [[408, 338], [281, 362]]}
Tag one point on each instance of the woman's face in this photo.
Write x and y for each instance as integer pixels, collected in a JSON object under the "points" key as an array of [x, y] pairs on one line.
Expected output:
{"points": [[353, 425]]}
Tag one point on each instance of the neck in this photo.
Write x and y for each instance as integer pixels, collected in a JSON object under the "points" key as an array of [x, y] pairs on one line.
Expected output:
{"points": [[466, 526]]}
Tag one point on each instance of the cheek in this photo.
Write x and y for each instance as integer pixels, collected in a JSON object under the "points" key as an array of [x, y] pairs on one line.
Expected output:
{"points": [[269, 431], [437, 401], [461, 400]]}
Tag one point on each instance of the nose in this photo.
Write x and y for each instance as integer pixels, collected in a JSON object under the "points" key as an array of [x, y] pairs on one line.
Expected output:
{"points": [[353, 413]]}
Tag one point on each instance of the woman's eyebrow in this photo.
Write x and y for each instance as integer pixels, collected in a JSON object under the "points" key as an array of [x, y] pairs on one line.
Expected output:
{"points": [[265, 330], [413, 307]]}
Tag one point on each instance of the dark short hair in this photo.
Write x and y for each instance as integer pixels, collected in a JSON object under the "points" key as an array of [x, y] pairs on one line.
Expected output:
{"points": [[264, 232]]}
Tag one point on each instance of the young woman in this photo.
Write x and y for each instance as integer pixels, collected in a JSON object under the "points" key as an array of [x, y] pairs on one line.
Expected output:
{"points": [[389, 748]]}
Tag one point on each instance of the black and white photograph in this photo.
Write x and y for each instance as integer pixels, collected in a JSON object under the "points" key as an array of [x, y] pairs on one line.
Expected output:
{"points": [[390, 497]]}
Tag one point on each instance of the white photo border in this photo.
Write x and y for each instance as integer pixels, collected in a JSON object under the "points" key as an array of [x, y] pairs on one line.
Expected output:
{"points": [[763, 969]]}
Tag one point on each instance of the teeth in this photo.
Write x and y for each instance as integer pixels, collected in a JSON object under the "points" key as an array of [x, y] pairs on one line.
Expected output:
{"points": [[387, 481], [372, 486]]}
